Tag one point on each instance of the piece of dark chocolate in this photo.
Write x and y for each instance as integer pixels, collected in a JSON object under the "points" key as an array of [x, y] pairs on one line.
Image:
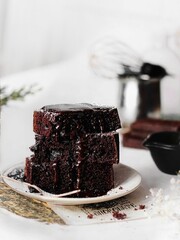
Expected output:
{"points": [[155, 125], [132, 141], [141, 128]]}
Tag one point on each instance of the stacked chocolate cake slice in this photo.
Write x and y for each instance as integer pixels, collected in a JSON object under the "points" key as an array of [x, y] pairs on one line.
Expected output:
{"points": [[75, 148]]}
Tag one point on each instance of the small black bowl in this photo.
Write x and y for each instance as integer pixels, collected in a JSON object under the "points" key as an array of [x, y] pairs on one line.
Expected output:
{"points": [[165, 150]]}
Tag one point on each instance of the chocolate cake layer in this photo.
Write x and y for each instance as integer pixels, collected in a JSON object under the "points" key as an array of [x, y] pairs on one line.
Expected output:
{"points": [[98, 148], [53, 177], [75, 119], [95, 179], [91, 179]]}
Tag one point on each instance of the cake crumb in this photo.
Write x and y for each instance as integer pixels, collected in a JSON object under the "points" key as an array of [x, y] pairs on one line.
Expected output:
{"points": [[119, 215], [141, 206], [90, 216]]}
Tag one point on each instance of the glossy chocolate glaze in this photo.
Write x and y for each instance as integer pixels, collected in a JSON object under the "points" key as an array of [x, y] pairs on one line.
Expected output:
{"points": [[80, 107], [75, 119]]}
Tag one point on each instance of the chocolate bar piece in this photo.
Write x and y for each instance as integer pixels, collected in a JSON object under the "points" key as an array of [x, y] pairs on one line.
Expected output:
{"points": [[132, 141], [155, 125], [140, 129]]}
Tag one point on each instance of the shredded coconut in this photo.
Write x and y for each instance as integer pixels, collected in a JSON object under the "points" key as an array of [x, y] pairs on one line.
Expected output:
{"points": [[167, 205]]}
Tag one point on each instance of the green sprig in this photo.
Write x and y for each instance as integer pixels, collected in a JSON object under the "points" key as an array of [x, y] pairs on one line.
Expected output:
{"points": [[16, 95]]}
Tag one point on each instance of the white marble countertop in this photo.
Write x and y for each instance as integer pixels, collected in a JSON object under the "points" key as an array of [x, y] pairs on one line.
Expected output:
{"points": [[17, 136]]}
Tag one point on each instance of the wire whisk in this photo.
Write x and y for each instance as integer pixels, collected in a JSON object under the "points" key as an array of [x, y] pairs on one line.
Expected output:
{"points": [[111, 58]]}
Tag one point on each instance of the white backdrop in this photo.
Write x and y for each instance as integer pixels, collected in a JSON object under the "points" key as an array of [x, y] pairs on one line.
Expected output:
{"points": [[35, 33], [57, 34]]}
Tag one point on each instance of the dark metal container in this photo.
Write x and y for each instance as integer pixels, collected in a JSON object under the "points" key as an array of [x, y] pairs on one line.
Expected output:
{"points": [[165, 150]]}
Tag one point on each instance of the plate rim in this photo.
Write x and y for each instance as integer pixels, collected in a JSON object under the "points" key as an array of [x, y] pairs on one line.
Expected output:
{"points": [[74, 201]]}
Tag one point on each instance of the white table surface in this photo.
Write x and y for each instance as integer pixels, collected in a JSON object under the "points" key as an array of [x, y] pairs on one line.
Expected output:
{"points": [[12, 226], [17, 136]]}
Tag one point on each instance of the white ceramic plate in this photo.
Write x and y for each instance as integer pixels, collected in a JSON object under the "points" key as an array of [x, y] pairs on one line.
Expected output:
{"points": [[126, 181]]}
